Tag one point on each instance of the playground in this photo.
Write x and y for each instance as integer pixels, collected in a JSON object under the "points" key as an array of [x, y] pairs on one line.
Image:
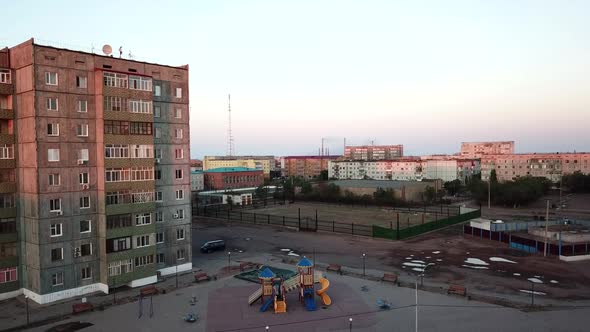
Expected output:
{"points": [[360, 215]]}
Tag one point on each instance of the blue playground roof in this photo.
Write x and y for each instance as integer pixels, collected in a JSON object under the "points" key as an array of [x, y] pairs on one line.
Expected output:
{"points": [[304, 262], [266, 273]]}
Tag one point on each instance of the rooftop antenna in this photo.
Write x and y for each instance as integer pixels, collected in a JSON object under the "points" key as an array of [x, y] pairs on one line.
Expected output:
{"points": [[230, 138]]}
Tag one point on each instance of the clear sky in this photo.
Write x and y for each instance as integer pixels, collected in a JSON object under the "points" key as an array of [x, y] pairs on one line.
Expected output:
{"points": [[426, 74]]}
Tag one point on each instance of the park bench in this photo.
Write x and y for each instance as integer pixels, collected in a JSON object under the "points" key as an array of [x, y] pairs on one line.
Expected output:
{"points": [[457, 290], [335, 267], [389, 277], [148, 290], [82, 307], [201, 276]]}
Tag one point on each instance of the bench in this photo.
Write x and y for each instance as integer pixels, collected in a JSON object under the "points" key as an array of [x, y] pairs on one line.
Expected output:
{"points": [[82, 307], [148, 290], [335, 267], [390, 277], [457, 290], [201, 276]]}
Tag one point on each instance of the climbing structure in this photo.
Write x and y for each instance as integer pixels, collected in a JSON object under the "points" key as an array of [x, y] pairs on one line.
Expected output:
{"points": [[306, 283], [266, 278]]}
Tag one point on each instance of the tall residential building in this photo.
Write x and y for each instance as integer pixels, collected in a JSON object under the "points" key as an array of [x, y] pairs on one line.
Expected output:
{"points": [[373, 152], [100, 174], [306, 166], [264, 163], [548, 165], [479, 149]]}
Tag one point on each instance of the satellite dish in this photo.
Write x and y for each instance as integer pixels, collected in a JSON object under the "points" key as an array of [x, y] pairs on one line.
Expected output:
{"points": [[107, 49]]}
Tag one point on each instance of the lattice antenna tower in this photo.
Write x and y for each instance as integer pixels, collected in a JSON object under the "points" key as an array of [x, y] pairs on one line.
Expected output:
{"points": [[230, 137]]}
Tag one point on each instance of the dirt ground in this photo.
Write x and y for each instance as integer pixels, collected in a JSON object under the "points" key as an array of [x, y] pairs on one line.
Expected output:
{"points": [[370, 215]]}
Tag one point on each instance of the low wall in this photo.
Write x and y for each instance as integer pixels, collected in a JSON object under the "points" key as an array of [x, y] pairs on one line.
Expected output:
{"points": [[574, 258]]}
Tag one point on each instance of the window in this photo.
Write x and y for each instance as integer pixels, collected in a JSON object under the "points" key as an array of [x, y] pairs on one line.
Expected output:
{"points": [[117, 174], [142, 241], [159, 196], [180, 254], [86, 273], [55, 205], [179, 153], [55, 230], [8, 274], [54, 179], [57, 254], [180, 194], [53, 154], [178, 92], [113, 103], [180, 234], [160, 258], [81, 82], [115, 80], [158, 132], [7, 249], [116, 151], [144, 260], [178, 174], [157, 90], [6, 151], [142, 151], [140, 83], [140, 106], [140, 128], [116, 127], [53, 129], [179, 214], [83, 154], [82, 106], [57, 279], [82, 130], [5, 76], [120, 267], [86, 249], [118, 244], [158, 174], [83, 178], [159, 216], [84, 202], [143, 219], [158, 153], [119, 221], [178, 113], [52, 104], [178, 133], [50, 78], [157, 111], [160, 237], [85, 226]]}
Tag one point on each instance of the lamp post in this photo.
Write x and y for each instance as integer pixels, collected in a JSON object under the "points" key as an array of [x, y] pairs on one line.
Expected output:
{"points": [[421, 282], [27, 306], [364, 256], [266, 328], [228, 260], [176, 268], [350, 324]]}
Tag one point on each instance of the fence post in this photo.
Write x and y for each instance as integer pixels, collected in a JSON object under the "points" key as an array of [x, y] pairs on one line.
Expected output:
{"points": [[227, 214], [333, 229], [560, 243], [490, 234], [408, 220], [500, 234], [254, 218], [352, 228], [422, 218], [283, 220], [299, 216], [216, 213], [268, 221], [435, 216], [397, 229]]}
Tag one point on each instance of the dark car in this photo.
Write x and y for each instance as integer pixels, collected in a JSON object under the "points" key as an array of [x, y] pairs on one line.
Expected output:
{"points": [[212, 246]]}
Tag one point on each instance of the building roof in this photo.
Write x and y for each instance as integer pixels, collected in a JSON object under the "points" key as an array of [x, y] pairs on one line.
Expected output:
{"points": [[266, 274], [385, 184], [196, 172], [304, 262], [232, 169], [312, 157]]}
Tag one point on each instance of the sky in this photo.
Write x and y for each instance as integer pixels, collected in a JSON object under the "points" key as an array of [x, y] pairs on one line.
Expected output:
{"points": [[425, 74]]}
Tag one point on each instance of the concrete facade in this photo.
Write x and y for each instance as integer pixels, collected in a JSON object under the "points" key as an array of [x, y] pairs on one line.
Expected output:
{"points": [[548, 165], [373, 152], [232, 178], [306, 167], [86, 136], [197, 180], [479, 149], [264, 163]]}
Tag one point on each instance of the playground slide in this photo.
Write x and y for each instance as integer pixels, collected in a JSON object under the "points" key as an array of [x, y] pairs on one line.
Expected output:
{"points": [[255, 296], [325, 283], [267, 304], [310, 300]]}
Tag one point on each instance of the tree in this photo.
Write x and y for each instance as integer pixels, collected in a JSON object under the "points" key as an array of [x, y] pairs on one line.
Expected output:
{"points": [[453, 187], [429, 194], [493, 177], [323, 175]]}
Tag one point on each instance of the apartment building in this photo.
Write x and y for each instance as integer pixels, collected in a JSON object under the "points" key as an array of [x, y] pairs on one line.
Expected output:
{"points": [[479, 149], [264, 163], [101, 184], [232, 178], [548, 165], [373, 152], [405, 169], [306, 167]]}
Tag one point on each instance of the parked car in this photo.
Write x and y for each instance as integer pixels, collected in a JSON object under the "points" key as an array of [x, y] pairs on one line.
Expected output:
{"points": [[213, 246]]}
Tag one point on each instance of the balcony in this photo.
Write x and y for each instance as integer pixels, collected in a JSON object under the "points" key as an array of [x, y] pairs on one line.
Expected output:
{"points": [[6, 87], [8, 231]]}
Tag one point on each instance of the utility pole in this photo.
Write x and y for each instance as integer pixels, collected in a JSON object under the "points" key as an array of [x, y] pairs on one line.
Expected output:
{"points": [[489, 193], [546, 229]]}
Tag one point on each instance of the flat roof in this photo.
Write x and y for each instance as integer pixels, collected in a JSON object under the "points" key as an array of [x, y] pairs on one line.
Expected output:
{"points": [[385, 184], [232, 169]]}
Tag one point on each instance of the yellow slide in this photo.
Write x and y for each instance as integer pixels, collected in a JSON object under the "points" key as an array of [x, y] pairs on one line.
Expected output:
{"points": [[280, 306], [322, 292]]}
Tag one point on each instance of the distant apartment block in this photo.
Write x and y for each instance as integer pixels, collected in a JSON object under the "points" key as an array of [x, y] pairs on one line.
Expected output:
{"points": [[196, 165], [197, 180], [405, 169], [307, 167], [479, 149], [373, 152], [264, 163], [226, 178], [548, 165], [94, 162]]}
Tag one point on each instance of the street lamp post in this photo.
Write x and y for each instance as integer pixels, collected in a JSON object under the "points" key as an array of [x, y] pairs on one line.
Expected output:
{"points": [[266, 328], [27, 305], [421, 284], [228, 260], [176, 273], [364, 256], [350, 324]]}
